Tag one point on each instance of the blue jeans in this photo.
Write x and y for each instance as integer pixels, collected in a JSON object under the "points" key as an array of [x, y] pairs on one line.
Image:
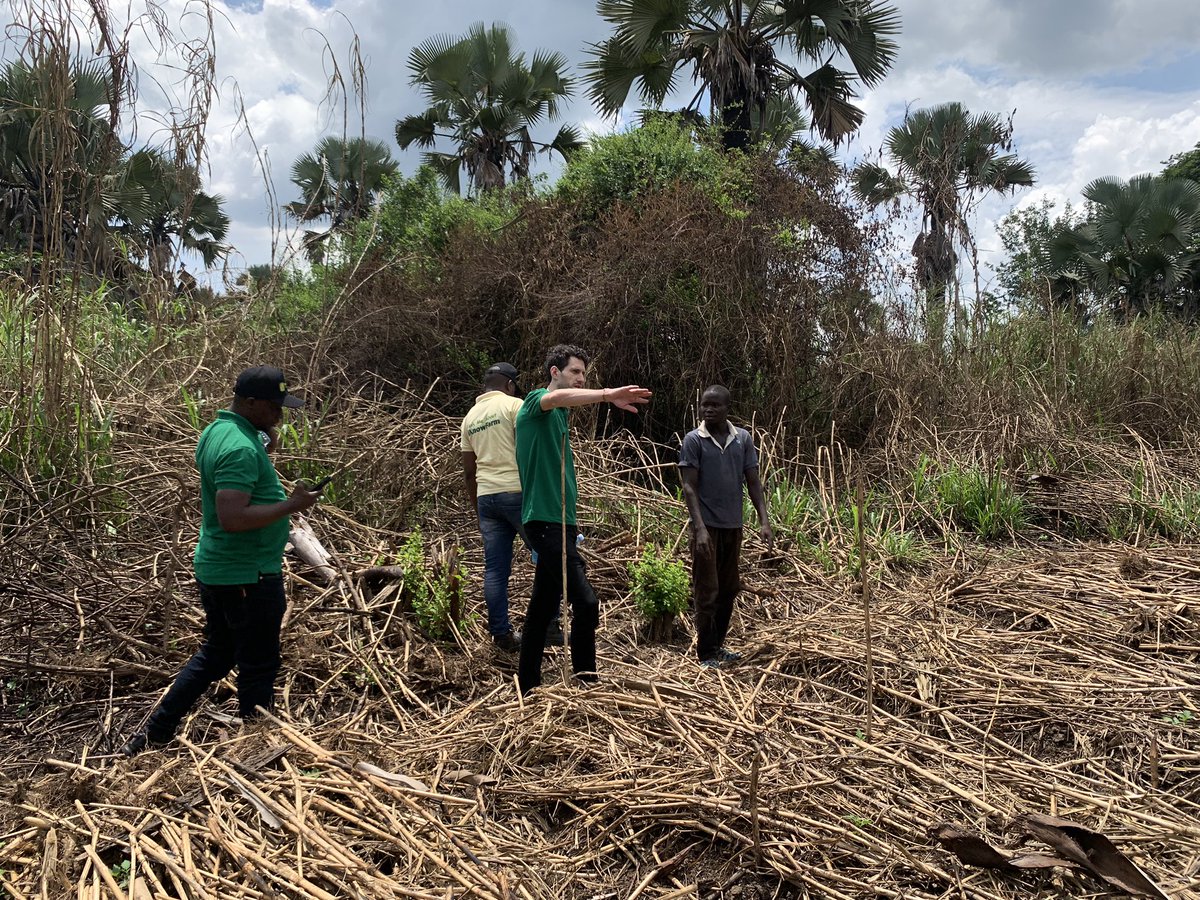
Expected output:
{"points": [[241, 628], [499, 523]]}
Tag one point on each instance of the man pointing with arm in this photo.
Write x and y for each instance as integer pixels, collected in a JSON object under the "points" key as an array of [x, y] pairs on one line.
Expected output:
{"points": [[547, 466], [493, 489]]}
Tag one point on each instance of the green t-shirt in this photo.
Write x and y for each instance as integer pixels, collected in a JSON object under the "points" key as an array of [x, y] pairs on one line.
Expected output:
{"points": [[231, 456], [540, 434]]}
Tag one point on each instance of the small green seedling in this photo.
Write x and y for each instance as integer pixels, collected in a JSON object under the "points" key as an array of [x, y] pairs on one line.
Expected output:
{"points": [[120, 872]]}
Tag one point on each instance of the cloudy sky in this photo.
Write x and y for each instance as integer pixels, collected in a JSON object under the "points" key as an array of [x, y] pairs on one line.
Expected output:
{"points": [[1096, 87]]}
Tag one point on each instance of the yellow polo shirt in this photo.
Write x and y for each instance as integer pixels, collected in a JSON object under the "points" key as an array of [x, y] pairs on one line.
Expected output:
{"points": [[489, 431]]}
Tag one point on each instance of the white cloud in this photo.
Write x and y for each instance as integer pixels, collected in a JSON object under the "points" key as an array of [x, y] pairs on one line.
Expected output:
{"points": [[1098, 87]]}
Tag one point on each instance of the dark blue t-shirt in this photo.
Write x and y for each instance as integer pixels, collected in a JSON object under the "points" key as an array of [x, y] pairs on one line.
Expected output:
{"points": [[720, 471]]}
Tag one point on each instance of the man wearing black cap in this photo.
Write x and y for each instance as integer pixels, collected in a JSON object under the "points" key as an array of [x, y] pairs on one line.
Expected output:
{"points": [[494, 491], [239, 557]]}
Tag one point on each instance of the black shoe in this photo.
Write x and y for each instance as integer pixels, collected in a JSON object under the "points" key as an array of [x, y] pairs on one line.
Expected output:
{"points": [[555, 636], [509, 642], [139, 742], [728, 656]]}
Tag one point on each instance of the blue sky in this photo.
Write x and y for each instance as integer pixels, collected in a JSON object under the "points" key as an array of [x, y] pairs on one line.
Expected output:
{"points": [[1096, 87]]}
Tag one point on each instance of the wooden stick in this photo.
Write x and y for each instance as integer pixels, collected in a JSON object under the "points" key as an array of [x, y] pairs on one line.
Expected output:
{"points": [[861, 504]]}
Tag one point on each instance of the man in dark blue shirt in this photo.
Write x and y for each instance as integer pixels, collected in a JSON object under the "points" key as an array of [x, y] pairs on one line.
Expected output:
{"points": [[715, 461]]}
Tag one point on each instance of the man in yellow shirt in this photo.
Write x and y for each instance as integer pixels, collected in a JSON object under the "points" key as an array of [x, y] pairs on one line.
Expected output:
{"points": [[494, 490]]}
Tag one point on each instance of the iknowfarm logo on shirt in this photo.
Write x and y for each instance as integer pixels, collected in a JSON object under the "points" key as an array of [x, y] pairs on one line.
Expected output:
{"points": [[484, 425]]}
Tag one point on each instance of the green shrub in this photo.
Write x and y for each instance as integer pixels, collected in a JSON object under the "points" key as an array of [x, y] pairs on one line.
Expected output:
{"points": [[660, 584], [654, 157], [416, 216], [434, 598], [300, 299]]}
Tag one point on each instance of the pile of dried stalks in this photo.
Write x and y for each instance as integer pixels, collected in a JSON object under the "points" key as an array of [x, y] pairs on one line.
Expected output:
{"points": [[1005, 681]]}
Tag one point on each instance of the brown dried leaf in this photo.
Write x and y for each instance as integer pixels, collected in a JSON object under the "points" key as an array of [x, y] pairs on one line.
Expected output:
{"points": [[970, 848], [1092, 851]]}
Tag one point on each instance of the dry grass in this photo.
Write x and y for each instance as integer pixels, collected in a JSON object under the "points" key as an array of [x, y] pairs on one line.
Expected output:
{"points": [[1007, 679]]}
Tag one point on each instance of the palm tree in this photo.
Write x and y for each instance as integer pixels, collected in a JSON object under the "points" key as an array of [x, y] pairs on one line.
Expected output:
{"points": [[946, 159], [339, 181], [57, 149], [162, 205], [486, 99], [1139, 248], [68, 185], [733, 49]]}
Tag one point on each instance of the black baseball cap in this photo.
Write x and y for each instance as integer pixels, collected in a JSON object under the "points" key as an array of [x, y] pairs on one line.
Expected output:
{"points": [[508, 370], [503, 369], [266, 383]]}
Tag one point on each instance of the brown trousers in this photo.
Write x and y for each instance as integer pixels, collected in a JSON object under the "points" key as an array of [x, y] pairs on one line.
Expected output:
{"points": [[716, 584]]}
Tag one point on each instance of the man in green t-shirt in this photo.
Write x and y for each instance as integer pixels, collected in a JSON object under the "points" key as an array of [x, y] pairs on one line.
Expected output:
{"points": [[546, 465], [239, 557]]}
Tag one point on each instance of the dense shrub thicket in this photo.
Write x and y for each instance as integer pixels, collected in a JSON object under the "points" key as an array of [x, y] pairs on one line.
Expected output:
{"points": [[678, 265], [674, 264]]}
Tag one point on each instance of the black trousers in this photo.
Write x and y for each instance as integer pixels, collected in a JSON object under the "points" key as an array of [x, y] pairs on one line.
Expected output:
{"points": [[241, 628], [716, 583], [546, 538]]}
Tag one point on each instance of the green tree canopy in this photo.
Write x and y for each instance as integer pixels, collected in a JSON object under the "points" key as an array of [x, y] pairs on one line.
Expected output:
{"points": [[1031, 277], [485, 99], [738, 53], [1184, 165], [1139, 248]]}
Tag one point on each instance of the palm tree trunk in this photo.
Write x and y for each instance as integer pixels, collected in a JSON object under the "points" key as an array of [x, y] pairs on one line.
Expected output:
{"points": [[935, 315], [735, 124]]}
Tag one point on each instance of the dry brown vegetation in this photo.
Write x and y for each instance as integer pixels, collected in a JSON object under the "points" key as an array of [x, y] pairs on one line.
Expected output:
{"points": [[1049, 669], [1014, 678], [672, 288]]}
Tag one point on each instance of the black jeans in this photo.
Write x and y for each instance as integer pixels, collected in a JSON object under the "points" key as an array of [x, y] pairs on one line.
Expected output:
{"points": [[716, 583], [241, 628], [546, 538]]}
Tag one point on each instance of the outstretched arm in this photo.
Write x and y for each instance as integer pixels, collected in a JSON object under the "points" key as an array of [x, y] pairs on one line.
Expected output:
{"points": [[628, 398]]}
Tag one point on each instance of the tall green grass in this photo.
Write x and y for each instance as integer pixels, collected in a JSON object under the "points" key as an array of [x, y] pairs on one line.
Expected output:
{"points": [[981, 500]]}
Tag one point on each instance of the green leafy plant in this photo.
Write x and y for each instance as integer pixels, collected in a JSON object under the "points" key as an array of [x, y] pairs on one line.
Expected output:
{"points": [[626, 166], [902, 548], [791, 507], [1183, 717], [660, 584], [436, 598], [192, 408], [120, 872]]}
